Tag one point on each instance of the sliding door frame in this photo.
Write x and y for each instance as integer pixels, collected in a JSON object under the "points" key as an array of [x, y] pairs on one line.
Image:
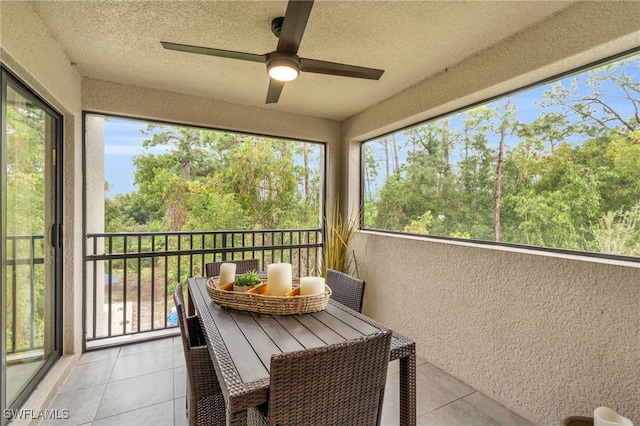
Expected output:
{"points": [[53, 236]]}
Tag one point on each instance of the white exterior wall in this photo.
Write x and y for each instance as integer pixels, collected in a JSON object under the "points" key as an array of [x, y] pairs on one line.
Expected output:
{"points": [[546, 335]]}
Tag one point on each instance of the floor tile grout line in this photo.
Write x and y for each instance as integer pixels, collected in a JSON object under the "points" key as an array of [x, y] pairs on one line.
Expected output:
{"points": [[507, 410], [109, 381], [114, 366], [129, 411], [130, 377], [105, 385], [139, 375], [449, 403], [134, 409], [95, 413]]}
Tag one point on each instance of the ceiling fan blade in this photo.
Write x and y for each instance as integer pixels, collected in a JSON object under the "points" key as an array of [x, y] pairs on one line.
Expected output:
{"points": [[295, 21], [324, 67], [214, 52], [275, 88]]}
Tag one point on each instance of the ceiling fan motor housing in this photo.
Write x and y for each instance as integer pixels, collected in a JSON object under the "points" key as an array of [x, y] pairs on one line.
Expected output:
{"points": [[280, 62], [281, 58]]}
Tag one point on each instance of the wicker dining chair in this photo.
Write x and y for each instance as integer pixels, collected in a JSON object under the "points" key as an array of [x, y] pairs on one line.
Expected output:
{"points": [[242, 266], [339, 384], [346, 289], [205, 402]]}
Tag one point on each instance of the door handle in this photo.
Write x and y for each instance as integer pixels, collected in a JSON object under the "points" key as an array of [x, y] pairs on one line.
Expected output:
{"points": [[56, 235]]}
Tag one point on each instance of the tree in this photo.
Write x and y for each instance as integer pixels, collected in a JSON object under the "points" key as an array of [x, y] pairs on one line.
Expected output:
{"points": [[559, 180], [618, 232], [591, 104], [209, 207], [26, 153], [259, 182], [264, 178]]}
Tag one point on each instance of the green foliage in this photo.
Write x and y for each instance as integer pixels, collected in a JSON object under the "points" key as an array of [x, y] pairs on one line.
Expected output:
{"points": [[26, 208], [422, 225], [618, 232], [208, 180], [208, 207], [247, 279], [569, 178]]}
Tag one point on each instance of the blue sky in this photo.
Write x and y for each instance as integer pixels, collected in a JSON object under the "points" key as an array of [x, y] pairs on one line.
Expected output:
{"points": [[122, 141]]}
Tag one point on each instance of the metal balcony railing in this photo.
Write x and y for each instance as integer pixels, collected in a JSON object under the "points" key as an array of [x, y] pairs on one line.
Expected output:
{"points": [[130, 277], [25, 287]]}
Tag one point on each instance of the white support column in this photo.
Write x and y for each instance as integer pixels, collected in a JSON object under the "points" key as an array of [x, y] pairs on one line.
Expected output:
{"points": [[95, 191]]}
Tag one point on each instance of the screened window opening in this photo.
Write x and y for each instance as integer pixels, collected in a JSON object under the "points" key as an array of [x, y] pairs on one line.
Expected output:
{"points": [[555, 166]]}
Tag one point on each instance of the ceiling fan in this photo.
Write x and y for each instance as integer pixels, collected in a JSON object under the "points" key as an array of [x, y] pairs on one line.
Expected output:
{"points": [[284, 64]]}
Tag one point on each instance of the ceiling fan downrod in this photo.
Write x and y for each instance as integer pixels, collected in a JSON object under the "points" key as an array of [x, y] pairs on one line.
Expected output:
{"points": [[276, 26]]}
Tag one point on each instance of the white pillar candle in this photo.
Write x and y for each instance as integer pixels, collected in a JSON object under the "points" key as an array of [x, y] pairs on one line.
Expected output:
{"points": [[603, 416], [279, 278], [227, 273], [311, 285]]}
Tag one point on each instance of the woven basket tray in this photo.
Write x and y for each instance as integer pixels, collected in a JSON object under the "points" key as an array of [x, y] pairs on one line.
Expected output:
{"points": [[257, 300]]}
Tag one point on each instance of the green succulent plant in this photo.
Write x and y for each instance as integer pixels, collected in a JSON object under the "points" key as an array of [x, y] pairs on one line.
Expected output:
{"points": [[248, 279]]}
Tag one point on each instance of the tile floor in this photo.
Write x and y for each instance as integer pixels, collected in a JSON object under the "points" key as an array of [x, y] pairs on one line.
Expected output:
{"points": [[144, 384]]}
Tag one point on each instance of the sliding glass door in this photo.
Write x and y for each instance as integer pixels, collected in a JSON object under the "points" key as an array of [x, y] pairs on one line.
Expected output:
{"points": [[31, 240]]}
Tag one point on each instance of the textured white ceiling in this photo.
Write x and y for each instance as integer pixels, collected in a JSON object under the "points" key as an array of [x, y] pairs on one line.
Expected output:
{"points": [[411, 40]]}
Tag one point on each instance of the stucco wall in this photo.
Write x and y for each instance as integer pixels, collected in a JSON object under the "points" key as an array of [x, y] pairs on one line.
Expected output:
{"points": [[547, 336], [29, 52]]}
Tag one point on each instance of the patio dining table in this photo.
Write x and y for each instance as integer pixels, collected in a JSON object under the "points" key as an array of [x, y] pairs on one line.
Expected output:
{"points": [[241, 345]]}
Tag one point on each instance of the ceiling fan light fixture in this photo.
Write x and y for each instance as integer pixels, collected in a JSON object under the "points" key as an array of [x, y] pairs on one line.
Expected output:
{"points": [[283, 67], [283, 72]]}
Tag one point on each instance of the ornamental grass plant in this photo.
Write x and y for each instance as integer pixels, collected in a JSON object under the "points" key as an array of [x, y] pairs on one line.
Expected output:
{"points": [[338, 233]]}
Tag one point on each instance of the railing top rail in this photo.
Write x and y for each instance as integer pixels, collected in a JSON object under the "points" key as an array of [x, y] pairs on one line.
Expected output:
{"points": [[218, 232], [189, 252]]}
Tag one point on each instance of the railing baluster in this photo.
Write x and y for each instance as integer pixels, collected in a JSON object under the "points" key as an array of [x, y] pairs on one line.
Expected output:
{"points": [[32, 293], [139, 286], [166, 276], [153, 283], [95, 288], [191, 256], [203, 261], [293, 246], [110, 287], [124, 288], [14, 298], [300, 257]]}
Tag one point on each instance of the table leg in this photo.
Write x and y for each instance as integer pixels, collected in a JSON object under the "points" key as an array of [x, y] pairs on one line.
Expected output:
{"points": [[191, 308], [408, 390]]}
